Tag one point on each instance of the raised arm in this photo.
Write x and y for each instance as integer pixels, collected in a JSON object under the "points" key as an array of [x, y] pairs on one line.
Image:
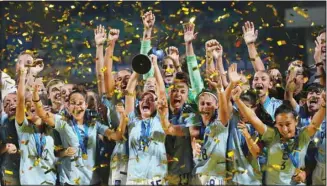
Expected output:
{"points": [[130, 96], [100, 37], [157, 74], [218, 57], [248, 113], [46, 116], [211, 47], [234, 79], [321, 74], [291, 87], [250, 36], [20, 109], [119, 133], [108, 76], [223, 113], [148, 21], [192, 64], [318, 117]]}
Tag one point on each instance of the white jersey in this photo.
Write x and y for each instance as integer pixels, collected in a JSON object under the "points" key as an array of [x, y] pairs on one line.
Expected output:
{"points": [[280, 167]]}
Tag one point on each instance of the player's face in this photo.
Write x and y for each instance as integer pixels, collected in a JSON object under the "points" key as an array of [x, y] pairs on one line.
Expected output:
{"points": [[77, 106], [262, 83], [169, 71], [207, 106], [314, 100], [122, 79], [286, 125], [10, 104], [178, 95], [147, 104], [323, 48], [55, 94], [65, 91], [31, 111]]}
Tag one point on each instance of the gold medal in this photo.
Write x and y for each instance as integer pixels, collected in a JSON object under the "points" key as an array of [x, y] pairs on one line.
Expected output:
{"points": [[84, 156]]}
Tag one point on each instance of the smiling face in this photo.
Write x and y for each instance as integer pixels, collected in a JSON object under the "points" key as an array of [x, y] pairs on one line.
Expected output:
{"points": [[31, 111], [77, 106], [262, 83], [314, 100], [122, 79], [169, 71], [178, 95], [147, 104], [286, 125], [323, 48], [55, 94], [10, 104], [207, 106]]}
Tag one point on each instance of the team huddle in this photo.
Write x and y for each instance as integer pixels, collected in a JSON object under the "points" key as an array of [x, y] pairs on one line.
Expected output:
{"points": [[177, 124]]}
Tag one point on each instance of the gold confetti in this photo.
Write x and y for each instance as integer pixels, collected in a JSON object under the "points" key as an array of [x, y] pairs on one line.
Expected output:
{"points": [[192, 19], [301, 12], [77, 181], [269, 39], [230, 154], [281, 42], [9, 172], [222, 17], [301, 46]]}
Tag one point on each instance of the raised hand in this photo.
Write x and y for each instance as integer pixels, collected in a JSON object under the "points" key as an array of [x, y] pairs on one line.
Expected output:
{"points": [[214, 49], [120, 109], [233, 76], [100, 35], [236, 93], [148, 20], [317, 56], [154, 60], [162, 106], [113, 35], [249, 35], [189, 34], [173, 53], [214, 79]]}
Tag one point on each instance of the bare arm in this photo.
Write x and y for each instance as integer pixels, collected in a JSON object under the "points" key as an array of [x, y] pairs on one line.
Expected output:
{"points": [[148, 22], [130, 97], [100, 37], [108, 77], [318, 118], [20, 109], [250, 37], [46, 116], [119, 133], [249, 114], [289, 96]]}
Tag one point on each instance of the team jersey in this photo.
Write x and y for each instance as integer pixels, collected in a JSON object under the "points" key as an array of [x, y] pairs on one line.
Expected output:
{"points": [[79, 170], [147, 153], [284, 158], [212, 161], [37, 165]]}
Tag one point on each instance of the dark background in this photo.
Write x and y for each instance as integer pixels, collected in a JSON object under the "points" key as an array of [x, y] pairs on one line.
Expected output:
{"points": [[62, 32]]}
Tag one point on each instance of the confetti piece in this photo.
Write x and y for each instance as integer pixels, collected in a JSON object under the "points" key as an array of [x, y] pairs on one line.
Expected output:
{"points": [[221, 18], [281, 42], [9, 172], [301, 12], [77, 181], [301, 46], [192, 19], [230, 154], [269, 39]]}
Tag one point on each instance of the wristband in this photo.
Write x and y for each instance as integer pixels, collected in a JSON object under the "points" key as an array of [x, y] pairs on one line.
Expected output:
{"points": [[319, 64], [318, 76]]}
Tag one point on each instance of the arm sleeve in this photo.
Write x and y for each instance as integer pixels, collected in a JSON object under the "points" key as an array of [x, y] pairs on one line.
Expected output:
{"points": [[101, 128], [195, 76], [145, 47], [113, 117], [59, 122]]}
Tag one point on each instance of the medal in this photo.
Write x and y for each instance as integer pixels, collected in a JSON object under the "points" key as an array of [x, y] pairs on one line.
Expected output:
{"points": [[84, 156]]}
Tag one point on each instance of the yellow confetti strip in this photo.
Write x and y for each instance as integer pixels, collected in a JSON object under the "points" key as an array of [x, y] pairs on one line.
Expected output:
{"points": [[9, 172], [301, 12], [77, 181], [221, 17], [281, 42], [230, 154]]}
